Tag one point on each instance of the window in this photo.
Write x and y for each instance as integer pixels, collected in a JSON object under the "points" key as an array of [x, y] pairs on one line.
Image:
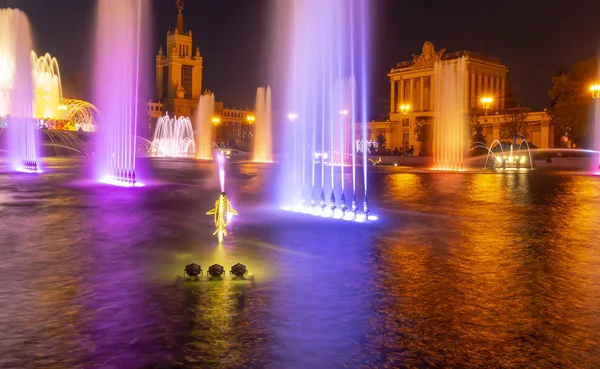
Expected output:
{"points": [[165, 82], [405, 139], [186, 80], [405, 122]]}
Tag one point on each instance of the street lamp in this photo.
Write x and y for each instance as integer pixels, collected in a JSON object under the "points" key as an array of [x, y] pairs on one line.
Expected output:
{"points": [[595, 90], [344, 112], [216, 121], [404, 109], [250, 118]]}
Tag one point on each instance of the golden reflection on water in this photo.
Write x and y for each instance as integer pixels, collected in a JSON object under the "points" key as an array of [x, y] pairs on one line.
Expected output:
{"points": [[500, 282]]}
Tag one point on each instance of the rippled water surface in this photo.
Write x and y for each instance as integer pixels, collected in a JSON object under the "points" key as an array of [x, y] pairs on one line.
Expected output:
{"points": [[463, 270]]}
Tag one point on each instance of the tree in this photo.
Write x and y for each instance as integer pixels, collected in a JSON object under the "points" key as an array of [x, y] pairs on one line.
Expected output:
{"points": [[571, 100], [477, 136], [421, 132], [514, 124], [381, 142]]}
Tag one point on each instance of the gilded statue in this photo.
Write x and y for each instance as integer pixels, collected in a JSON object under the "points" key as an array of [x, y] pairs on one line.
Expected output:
{"points": [[428, 56]]}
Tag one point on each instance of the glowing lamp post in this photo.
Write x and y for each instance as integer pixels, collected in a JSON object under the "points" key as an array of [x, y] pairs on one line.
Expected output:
{"points": [[486, 102], [404, 109], [216, 121], [251, 119], [595, 90]]}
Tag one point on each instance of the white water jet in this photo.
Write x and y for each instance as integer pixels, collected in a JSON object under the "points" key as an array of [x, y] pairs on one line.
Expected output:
{"points": [[263, 129], [450, 125], [16, 89], [173, 137], [204, 115]]}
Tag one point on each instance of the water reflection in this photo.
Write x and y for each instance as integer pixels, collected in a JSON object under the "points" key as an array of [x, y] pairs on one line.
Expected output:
{"points": [[469, 270]]}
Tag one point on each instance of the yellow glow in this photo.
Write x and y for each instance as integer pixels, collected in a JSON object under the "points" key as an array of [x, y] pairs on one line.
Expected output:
{"points": [[404, 108], [486, 101], [251, 118], [216, 121], [595, 90], [522, 159]]}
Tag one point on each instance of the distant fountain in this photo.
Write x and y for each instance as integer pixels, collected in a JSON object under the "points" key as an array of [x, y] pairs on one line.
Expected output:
{"points": [[450, 125], [173, 137], [326, 97], [16, 90], [204, 115], [47, 86], [263, 130], [118, 74]]}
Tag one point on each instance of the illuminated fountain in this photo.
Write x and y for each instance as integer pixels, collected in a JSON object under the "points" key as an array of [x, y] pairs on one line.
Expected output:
{"points": [[326, 95], [263, 136], [16, 90], [450, 126], [47, 86], [173, 137], [204, 126], [118, 75]]}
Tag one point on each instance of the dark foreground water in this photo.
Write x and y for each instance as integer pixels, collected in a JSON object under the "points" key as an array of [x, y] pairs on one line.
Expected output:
{"points": [[464, 270]]}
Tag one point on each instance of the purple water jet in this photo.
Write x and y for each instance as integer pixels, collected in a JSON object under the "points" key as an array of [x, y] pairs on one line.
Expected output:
{"points": [[325, 93], [120, 32]]}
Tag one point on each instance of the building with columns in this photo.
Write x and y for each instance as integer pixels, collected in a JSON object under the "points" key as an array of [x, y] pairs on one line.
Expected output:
{"points": [[412, 83]]}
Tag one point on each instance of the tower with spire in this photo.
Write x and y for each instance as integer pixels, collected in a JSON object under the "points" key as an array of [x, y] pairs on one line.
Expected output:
{"points": [[179, 70]]}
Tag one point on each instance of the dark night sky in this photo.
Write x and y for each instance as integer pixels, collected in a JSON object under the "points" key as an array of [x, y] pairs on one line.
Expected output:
{"points": [[533, 38]]}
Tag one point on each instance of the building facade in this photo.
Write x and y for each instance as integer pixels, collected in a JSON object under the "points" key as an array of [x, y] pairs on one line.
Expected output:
{"points": [[179, 87], [412, 83], [179, 72], [234, 128]]}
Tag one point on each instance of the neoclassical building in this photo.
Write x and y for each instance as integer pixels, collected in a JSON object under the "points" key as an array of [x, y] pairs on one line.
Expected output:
{"points": [[412, 83]]}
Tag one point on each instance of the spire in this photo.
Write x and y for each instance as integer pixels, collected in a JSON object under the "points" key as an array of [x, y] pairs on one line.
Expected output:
{"points": [[180, 4]]}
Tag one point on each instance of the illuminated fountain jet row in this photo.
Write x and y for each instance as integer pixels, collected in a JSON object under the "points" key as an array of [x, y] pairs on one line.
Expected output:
{"points": [[223, 212], [173, 137], [325, 141]]}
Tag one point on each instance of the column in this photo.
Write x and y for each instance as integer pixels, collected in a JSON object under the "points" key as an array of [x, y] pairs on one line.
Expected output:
{"points": [[401, 97], [411, 92], [392, 95], [502, 93], [479, 88], [473, 94], [421, 91], [486, 86], [497, 93]]}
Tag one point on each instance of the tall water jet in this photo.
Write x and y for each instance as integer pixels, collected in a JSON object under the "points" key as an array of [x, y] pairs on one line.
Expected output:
{"points": [[204, 115], [326, 96], [263, 129], [47, 86], [450, 125], [118, 74], [16, 89], [173, 137]]}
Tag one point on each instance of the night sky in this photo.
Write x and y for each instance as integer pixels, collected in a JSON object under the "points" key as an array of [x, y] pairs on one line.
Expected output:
{"points": [[533, 38]]}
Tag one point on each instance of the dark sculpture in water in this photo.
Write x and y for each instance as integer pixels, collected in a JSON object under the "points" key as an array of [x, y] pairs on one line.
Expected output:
{"points": [[193, 270], [216, 271], [239, 270]]}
